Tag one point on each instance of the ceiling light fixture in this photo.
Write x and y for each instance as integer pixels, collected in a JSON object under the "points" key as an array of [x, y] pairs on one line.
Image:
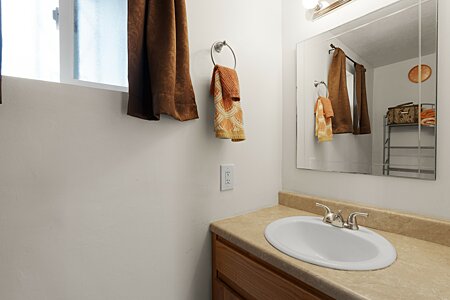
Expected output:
{"points": [[310, 4], [324, 4], [319, 8]]}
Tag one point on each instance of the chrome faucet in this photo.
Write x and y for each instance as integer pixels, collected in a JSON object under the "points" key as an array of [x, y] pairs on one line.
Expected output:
{"points": [[332, 218], [337, 220], [352, 222]]}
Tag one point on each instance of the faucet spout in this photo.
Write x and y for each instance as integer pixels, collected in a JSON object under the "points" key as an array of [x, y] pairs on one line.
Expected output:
{"points": [[332, 218]]}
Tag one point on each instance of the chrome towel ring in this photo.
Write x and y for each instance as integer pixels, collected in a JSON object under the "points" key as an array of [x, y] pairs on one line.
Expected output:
{"points": [[317, 83], [218, 47]]}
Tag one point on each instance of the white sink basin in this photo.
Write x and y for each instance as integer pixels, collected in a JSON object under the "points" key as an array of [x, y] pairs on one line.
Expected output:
{"points": [[309, 239]]}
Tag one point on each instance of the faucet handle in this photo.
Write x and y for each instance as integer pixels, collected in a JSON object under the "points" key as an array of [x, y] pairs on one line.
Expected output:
{"points": [[327, 209], [329, 215], [352, 223]]}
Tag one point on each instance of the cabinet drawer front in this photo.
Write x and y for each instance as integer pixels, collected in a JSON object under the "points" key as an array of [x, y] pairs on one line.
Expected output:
{"points": [[256, 280], [222, 292]]}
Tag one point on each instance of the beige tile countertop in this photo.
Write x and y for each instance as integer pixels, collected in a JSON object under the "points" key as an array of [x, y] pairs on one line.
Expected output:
{"points": [[421, 271]]}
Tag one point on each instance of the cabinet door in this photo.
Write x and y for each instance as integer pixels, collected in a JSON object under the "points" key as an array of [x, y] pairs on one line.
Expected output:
{"points": [[222, 292], [253, 279]]}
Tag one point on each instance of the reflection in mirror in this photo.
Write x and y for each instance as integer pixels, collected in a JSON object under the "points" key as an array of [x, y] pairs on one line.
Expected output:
{"points": [[363, 103]]}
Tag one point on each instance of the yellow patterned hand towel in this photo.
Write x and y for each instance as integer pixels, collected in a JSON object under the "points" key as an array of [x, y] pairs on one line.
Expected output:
{"points": [[228, 119], [324, 113]]}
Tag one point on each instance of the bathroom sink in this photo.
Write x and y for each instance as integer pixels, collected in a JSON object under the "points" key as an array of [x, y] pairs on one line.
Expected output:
{"points": [[309, 239]]}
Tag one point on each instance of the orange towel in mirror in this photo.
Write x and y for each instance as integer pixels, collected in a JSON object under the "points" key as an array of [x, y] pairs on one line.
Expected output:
{"points": [[428, 117], [324, 113]]}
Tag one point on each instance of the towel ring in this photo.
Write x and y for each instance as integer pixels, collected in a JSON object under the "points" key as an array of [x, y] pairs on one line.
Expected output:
{"points": [[218, 47], [317, 83]]}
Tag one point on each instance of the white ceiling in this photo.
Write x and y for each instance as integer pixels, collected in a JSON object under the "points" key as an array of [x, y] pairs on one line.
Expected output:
{"points": [[387, 40]]}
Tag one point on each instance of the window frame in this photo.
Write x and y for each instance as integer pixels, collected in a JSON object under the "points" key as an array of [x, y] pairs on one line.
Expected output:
{"points": [[66, 27], [67, 53]]}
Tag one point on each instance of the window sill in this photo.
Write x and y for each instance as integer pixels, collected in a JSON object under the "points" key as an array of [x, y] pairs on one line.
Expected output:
{"points": [[81, 83]]}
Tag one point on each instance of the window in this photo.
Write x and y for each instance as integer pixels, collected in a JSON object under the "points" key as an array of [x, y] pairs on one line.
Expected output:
{"points": [[30, 39], [81, 42], [100, 41], [351, 90]]}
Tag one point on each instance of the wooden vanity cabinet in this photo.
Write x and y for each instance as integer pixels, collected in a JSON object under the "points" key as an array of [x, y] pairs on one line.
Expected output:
{"points": [[238, 275]]}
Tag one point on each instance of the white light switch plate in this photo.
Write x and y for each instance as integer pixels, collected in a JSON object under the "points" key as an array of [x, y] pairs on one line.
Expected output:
{"points": [[226, 177]]}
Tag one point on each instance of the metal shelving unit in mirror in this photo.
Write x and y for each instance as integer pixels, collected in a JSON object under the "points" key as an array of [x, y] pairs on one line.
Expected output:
{"points": [[420, 151]]}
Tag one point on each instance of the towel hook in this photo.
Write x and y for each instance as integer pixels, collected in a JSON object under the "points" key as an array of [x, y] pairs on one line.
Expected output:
{"points": [[218, 47], [317, 83]]}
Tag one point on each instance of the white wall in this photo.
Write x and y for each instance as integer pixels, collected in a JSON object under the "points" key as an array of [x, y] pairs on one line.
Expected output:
{"points": [[98, 205], [423, 197], [347, 152]]}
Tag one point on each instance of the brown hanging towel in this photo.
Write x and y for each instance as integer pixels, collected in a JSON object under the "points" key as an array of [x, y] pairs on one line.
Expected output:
{"points": [[337, 86], [158, 60], [361, 125]]}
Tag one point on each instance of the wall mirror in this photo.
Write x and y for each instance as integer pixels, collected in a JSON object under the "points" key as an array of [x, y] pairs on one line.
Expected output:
{"points": [[367, 94]]}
